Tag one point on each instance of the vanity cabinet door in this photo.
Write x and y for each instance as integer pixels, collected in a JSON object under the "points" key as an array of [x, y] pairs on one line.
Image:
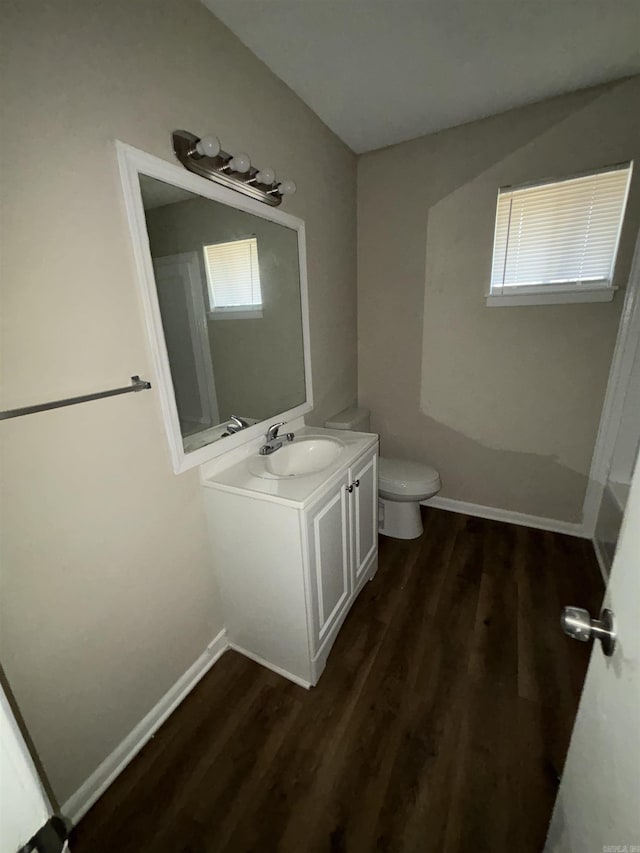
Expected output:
{"points": [[364, 476], [328, 542]]}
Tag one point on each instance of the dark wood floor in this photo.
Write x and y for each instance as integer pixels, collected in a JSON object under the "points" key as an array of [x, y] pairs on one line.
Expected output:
{"points": [[441, 722]]}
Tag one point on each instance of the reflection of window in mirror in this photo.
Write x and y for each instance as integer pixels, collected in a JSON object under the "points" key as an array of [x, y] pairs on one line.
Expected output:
{"points": [[233, 279]]}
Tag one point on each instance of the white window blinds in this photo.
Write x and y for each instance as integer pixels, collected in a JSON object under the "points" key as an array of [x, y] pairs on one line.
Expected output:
{"points": [[233, 275], [563, 233]]}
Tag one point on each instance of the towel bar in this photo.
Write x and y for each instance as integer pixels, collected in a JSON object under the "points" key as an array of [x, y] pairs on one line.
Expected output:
{"points": [[137, 384]]}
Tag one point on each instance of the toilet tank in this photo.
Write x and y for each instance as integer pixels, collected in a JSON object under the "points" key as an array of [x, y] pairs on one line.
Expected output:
{"points": [[351, 418]]}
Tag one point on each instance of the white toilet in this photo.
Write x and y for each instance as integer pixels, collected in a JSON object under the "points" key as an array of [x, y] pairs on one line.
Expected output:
{"points": [[401, 484]]}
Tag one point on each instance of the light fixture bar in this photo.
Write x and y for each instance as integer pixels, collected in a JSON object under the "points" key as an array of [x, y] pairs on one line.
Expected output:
{"points": [[219, 168]]}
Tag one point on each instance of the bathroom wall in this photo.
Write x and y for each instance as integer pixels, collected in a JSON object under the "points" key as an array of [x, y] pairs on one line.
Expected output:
{"points": [[107, 590], [505, 402], [258, 363]]}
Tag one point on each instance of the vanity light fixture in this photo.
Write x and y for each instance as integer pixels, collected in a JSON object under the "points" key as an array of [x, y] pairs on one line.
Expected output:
{"points": [[266, 176], [205, 157], [208, 146], [240, 163]]}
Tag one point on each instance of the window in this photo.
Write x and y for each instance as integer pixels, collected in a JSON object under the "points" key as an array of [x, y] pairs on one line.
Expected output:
{"points": [[557, 241], [233, 278]]}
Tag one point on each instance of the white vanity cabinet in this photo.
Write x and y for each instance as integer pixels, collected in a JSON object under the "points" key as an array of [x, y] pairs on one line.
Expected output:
{"points": [[341, 546], [290, 565]]}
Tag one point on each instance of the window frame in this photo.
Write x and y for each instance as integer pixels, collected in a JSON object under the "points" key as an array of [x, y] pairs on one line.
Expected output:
{"points": [[602, 290]]}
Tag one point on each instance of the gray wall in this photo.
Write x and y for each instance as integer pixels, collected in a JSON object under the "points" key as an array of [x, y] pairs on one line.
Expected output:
{"points": [[258, 363], [505, 402], [107, 589]]}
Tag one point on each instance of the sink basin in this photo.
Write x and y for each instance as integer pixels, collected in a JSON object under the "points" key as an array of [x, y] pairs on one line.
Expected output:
{"points": [[301, 457]]}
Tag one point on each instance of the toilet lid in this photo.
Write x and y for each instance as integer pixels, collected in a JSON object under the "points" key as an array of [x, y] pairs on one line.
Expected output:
{"points": [[401, 475]]}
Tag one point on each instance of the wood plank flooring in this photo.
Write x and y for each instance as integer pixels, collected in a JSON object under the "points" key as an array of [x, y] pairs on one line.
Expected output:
{"points": [[441, 722]]}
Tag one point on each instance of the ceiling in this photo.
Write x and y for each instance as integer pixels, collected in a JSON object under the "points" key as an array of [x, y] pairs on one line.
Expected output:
{"points": [[379, 72]]}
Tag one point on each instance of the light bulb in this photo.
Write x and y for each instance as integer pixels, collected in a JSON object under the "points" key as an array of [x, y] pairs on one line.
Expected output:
{"points": [[287, 187], [208, 146], [266, 176], [240, 163]]}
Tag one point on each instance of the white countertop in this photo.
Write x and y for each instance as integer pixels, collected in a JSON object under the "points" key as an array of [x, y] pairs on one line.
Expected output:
{"points": [[296, 491]]}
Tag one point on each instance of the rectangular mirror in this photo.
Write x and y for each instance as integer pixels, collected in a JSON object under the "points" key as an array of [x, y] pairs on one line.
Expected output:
{"points": [[224, 286]]}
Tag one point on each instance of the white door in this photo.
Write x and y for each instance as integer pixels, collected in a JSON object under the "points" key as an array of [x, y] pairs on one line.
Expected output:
{"points": [[184, 321], [24, 806], [598, 804], [364, 476], [328, 538]]}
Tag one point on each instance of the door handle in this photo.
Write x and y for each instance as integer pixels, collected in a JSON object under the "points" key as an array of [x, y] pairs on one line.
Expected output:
{"points": [[577, 623]]}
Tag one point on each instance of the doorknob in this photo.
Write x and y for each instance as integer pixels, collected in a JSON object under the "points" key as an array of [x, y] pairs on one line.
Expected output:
{"points": [[577, 623]]}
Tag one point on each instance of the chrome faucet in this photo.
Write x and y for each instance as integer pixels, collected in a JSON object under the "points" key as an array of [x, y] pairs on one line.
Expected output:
{"points": [[236, 424], [275, 441], [272, 432]]}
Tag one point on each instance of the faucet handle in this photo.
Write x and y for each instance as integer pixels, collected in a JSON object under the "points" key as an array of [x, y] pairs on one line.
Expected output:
{"points": [[239, 421], [272, 432]]}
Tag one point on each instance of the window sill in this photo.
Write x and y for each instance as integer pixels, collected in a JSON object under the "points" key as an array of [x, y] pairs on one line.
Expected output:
{"points": [[552, 297], [240, 314]]}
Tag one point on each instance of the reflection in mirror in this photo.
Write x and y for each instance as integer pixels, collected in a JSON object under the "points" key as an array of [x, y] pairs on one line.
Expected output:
{"points": [[228, 286]]}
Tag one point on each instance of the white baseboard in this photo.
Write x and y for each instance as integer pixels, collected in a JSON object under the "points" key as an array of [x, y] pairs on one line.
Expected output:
{"points": [[496, 514], [81, 801], [277, 669], [603, 561]]}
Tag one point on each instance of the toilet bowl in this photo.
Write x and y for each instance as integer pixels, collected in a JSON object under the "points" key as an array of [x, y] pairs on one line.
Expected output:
{"points": [[401, 487], [401, 484]]}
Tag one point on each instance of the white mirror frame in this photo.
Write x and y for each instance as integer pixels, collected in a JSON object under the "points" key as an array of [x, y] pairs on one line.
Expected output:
{"points": [[132, 163]]}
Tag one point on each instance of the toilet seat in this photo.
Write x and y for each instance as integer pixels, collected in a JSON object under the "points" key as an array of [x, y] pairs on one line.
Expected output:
{"points": [[403, 479]]}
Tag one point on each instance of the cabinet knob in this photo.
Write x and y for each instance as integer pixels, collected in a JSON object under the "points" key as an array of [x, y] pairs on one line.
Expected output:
{"points": [[349, 488], [356, 483]]}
